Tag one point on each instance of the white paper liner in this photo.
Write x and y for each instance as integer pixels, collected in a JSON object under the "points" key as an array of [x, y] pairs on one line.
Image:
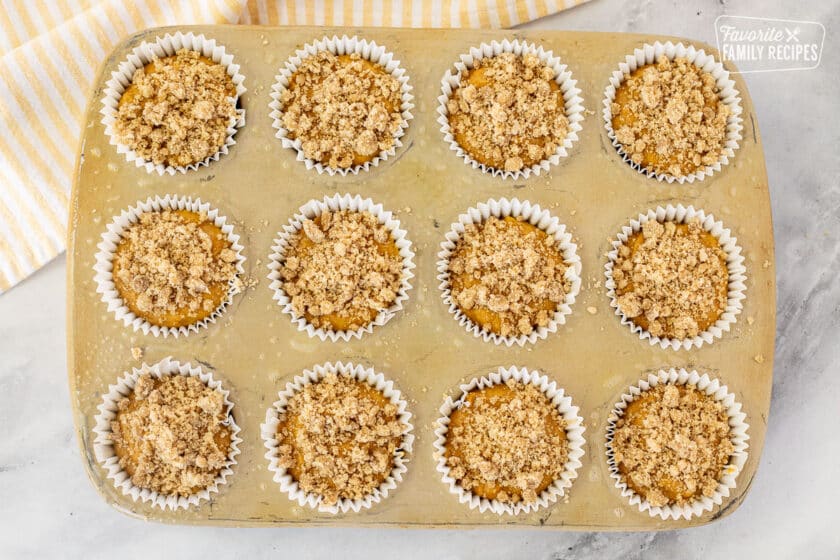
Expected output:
{"points": [[568, 86], [146, 52], [272, 420], [368, 50], [103, 447], [537, 217], [110, 240], [738, 434], [734, 265], [334, 203], [648, 54], [574, 435]]}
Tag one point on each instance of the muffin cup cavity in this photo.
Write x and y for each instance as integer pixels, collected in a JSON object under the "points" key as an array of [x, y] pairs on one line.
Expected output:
{"points": [[574, 434], [734, 265], [345, 45], [146, 52], [313, 209], [537, 217], [104, 448], [568, 86], [649, 54], [401, 457], [738, 434], [111, 238]]}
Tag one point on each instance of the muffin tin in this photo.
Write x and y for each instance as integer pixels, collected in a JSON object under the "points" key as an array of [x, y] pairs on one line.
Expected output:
{"points": [[254, 349]]}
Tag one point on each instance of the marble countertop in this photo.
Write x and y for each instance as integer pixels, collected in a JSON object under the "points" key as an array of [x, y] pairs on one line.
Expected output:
{"points": [[49, 509]]}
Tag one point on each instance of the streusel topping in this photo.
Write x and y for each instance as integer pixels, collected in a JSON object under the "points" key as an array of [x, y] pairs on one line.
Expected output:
{"points": [[671, 279], [172, 435], [506, 442], [508, 112], [672, 443], [341, 270], [344, 109], [669, 117], [508, 276], [339, 437], [177, 109]]}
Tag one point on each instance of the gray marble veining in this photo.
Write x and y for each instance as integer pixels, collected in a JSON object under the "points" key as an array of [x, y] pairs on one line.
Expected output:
{"points": [[48, 508]]}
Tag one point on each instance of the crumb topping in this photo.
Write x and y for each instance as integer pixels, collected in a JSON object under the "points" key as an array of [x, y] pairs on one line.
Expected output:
{"points": [[339, 437], [506, 442], [672, 443], [341, 270], [508, 276], [177, 109], [672, 279], [172, 262], [508, 112], [172, 435], [669, 117], [344, 109]]}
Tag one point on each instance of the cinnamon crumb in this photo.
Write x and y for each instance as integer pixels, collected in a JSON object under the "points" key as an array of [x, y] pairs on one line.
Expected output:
{"points": [[673, 280], [341, 270], [345, 110], [508, 111], [177, 109], [172, 435], [509, 445], [339, 437], [669, 117], [136, 352], [672, 444]]}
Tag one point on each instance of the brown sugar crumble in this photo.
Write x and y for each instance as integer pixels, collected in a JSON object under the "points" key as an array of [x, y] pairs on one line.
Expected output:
{"points": [[172, 435], [671, 279], [173, 267], [339, 438], [669, 117], [508, 276], [177, 109], [508, 112], [506, 442], [341, 270], [344, 109], [671, 444]]}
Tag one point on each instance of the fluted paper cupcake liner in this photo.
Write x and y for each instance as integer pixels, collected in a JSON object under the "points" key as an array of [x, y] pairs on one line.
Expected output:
{"points": [[111, 238], [367, 50], [649, 54], [574, 435], [568, 86], [738, 434], [313, 209], [537, 217], [162, 47], [401, 456], [734, 265], [103, 446]]}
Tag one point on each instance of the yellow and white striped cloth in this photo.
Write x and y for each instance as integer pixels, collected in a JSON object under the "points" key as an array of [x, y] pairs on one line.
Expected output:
{"points": [[50, 50]]}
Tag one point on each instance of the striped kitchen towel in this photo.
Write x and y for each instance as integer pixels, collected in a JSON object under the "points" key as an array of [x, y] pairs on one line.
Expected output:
{"points": [[50, 50]]}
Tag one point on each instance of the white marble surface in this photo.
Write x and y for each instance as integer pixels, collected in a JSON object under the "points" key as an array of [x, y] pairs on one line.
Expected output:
{"points": [[49, 509]]}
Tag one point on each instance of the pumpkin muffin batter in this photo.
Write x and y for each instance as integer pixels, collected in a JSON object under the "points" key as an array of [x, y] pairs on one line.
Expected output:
{"points": [[177, 109], [174, 268], [669, 117], [338, 438], [507, 276], [506, 442], [172, 435], [671, 279], [341, 270], [508, 112], [671, 444], [344, 109]]}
